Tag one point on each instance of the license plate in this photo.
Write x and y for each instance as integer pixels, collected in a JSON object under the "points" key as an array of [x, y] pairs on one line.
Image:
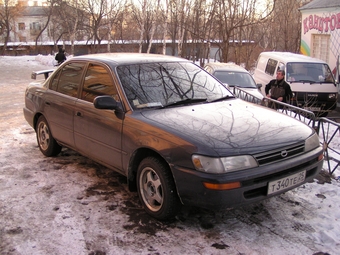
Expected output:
{"points": [[312, 108], [286, 183]]}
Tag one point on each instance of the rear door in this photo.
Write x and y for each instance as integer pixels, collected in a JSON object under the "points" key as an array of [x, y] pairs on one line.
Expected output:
{"points": [[59, 105], [98, 132]]}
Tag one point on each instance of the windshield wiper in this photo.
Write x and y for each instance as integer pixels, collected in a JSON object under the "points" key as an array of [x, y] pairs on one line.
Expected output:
{"points": [[222, 98], [186, 101]]}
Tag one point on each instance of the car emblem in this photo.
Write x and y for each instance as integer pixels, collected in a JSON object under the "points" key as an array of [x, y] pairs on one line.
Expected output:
{"points": [[284, 153]]}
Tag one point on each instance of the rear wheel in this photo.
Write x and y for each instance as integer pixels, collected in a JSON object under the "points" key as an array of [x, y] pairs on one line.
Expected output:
{"points": [[156, 189], [47, 144]]}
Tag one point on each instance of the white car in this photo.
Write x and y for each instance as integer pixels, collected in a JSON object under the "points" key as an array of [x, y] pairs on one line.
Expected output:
{"points": [[233, 75]]}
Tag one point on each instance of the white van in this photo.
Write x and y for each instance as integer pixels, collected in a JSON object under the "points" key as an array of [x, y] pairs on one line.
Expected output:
{"points": [[310, 79]]}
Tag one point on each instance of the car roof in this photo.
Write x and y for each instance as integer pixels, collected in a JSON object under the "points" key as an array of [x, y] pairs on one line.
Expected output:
{"points": [[290, 57], [129, 58], [217, 66]]}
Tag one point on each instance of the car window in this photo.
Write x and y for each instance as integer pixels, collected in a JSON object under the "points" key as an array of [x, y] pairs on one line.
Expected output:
{"points": [[239, 79], [98, 81], [54, 81], [68, 79], [158, 84], [312, 72], [271, 66]]}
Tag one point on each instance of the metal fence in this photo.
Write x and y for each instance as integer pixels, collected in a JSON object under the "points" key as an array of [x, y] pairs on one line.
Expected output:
{"points": [[326, 128]]}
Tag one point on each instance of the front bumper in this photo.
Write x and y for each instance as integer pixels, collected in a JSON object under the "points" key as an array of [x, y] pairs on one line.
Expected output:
{"points": [[254, 182]]}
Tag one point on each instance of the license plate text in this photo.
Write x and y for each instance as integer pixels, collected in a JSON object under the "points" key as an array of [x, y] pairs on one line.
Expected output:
{"points": [[286, 183]]}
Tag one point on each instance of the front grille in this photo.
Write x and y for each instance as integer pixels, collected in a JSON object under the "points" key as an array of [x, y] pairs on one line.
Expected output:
{"points": [[278, 155]]}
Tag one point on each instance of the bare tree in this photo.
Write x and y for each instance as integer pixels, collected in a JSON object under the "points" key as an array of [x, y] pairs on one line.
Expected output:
{"points": [[201, 29], [233, 16], [49, 13], [236, 26], [98, 10], [285, 25], [180, 12], [184, 14], [114, 14], [70, 20], [145, 15], [139, 15], [9, 10], [164, 14]]}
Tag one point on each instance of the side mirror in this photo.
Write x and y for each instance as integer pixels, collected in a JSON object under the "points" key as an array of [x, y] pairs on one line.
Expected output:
{"points": [[226, 85], [106, 102], [259, 85]]}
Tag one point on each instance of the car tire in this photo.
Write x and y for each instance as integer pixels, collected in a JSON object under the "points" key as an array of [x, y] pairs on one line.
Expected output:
{"points": [[157, 189], [47, 144]]}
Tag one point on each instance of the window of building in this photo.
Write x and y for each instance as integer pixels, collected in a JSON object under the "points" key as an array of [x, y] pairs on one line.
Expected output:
{"points": [[320, 46], [22, 38], [35, 28], [21, 26]]}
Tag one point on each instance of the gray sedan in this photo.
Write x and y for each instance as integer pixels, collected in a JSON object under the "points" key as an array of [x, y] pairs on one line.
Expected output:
{"points": [[177, 134]]}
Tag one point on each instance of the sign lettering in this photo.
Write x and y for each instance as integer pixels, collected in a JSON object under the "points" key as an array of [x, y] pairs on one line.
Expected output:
{"points": [[322, 24]]}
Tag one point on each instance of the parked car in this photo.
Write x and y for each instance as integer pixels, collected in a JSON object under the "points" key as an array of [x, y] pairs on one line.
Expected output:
{"points": [[176, 133], [233, 75]]}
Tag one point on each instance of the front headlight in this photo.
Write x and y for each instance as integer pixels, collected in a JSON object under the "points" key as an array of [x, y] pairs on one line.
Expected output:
{"points": [[331, 96], [223, 165], [312, 142]]}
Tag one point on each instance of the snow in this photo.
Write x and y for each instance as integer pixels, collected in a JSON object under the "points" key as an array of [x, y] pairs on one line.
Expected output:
{"points": [[71, 205]]}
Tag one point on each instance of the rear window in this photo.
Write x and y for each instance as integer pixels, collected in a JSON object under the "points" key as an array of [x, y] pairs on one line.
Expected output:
{"points": [[235, 79], [68, 79]]}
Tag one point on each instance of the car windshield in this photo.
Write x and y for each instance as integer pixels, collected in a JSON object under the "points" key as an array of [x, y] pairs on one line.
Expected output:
{"points": [[309, 72], [161, 84], [243, 80]]}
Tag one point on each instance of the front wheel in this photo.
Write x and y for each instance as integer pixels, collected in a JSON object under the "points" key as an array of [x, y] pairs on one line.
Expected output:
{"points": [[47, 144], [156, 189]]}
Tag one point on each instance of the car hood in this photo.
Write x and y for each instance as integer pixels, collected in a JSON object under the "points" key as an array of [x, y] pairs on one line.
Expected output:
{"points": [[230, 127], [254, 92]]}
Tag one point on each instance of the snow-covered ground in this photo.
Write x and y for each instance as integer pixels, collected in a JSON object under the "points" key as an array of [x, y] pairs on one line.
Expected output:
{"points": [[71, 205]]}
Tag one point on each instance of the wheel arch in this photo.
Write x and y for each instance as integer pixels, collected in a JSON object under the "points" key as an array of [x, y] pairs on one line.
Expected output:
{"points": [[136, 159], [35, 120]]}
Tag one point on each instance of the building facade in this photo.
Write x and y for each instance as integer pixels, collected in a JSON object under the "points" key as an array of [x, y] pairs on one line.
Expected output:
{"points": [[320, 33], [29, 24]]}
